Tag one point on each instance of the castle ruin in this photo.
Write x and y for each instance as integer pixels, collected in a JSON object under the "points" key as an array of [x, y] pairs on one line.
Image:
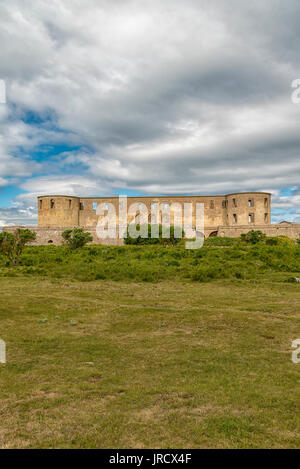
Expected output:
{"points": [[224, 215]]}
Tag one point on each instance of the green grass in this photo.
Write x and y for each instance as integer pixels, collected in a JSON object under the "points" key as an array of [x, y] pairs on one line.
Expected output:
{"points": [[179, 362], [232, 259]]}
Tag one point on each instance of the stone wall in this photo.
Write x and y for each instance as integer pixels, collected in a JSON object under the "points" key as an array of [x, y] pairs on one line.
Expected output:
{"points": [[58, 211], [291, 230], [251, 208], [53, 235], [48, 236], [224, 215]]}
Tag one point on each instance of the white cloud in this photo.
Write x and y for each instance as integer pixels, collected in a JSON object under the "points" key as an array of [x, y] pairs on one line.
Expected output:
{"points": [[169, 97], [60, 185]]}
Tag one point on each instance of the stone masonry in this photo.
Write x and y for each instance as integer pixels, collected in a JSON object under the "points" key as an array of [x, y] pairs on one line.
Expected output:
{"points": [[224, 215]]}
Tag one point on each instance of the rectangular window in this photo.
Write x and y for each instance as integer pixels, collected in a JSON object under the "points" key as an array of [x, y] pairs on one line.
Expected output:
{"points": [[251, 217], [70, 203], [41, 204], [250, 203], [234, 202], [224, 203], [106, 206], [266, 202], [266, 217], [235, 218], [95, 205], [212, 204], [52, 203], [81, 206]]}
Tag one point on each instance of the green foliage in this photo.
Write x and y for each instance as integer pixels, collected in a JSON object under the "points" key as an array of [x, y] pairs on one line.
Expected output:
{"points": [[76, 238], [12, 244], [253, 237], [171, 240], [206, 273], [273, 241], [241, 261], [279, 240], [220, 241]]}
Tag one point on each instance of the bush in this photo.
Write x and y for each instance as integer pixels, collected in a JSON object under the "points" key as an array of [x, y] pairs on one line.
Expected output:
{"points": [[253, 237], [76, 238], [169, 241], [279, 240], [12, 244], [272, 242]]}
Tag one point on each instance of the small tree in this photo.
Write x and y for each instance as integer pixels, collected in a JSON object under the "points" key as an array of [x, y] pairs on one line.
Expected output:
{"points": [[253, 237], [12, 244], [76, 238]]}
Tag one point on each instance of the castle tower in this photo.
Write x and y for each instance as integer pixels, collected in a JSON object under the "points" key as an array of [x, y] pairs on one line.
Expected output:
{"points": [[58, 211], [249, 208]]}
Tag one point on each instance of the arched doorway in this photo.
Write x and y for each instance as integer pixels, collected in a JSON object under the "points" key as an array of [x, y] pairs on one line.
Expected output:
{"points": [[213, 234]]}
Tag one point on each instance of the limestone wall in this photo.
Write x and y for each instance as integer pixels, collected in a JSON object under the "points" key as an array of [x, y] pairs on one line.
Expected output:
{"points": [[58, 211], [48, 236], [252, 208], [248, 209], [291, 230], [53, 235], [224, 215]]}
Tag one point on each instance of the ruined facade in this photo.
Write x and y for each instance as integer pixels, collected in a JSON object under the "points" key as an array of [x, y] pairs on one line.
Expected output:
{"points": [[224, 215]]}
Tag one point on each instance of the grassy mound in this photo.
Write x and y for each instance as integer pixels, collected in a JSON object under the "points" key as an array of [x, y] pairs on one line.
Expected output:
{"points": [[220, 258]]}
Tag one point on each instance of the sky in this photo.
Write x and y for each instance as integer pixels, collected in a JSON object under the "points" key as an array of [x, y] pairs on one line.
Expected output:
{"points": [[148, 97]]}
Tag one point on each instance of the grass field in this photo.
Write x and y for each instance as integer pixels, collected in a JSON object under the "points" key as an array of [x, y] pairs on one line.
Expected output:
{"points": [[178, 362]]}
